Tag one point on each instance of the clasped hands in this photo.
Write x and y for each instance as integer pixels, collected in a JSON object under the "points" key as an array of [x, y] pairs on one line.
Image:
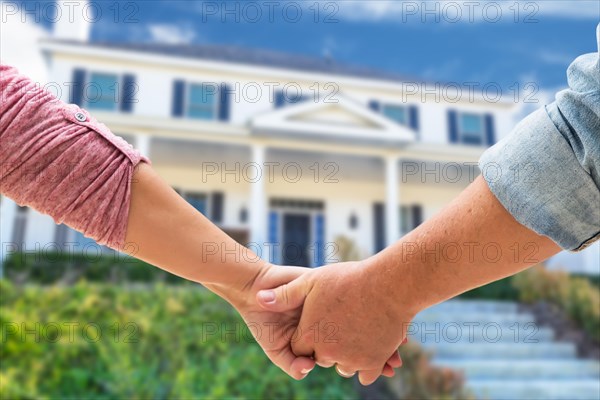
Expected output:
{"points": [[344, 315]]}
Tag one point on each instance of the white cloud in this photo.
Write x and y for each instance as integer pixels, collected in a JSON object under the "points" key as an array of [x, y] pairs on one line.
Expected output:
{"points": [[171, 34], [469, 11]]}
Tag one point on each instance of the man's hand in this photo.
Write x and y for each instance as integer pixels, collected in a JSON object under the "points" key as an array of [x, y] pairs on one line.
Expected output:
{"points": [[349, 318]]}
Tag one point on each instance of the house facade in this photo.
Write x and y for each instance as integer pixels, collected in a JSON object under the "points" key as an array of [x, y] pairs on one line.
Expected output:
{"points": [[287, 154]]}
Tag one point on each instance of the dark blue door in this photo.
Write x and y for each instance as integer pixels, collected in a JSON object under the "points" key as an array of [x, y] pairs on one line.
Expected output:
{"points": [[296, 238]]}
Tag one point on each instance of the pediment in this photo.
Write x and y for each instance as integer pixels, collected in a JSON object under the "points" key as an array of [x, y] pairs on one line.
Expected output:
{"points": [[342, 118]]}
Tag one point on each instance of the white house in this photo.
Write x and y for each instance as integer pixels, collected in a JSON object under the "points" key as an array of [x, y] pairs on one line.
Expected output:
{"points": [[282, 151]]}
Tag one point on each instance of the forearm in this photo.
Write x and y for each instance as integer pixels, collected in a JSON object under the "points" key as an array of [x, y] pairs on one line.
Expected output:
{"points": [[164, 230], [472, 242]]}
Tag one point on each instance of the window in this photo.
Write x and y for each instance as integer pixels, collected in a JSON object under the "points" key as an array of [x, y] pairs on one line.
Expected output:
{"points": [[198, 200], [20, 225], [471, 129], [396, 113], [61, 234], [102, 93], [201, 101], [410, 218]]}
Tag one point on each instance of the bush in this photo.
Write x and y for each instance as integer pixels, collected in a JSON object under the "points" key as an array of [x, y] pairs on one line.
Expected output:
{"points": [[154, 343], [418, 379], [60, 267], [577, 296]]}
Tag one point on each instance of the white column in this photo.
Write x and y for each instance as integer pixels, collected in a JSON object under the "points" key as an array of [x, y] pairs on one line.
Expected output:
{"points": [[142, 144], [392, 200], [258, 202]]}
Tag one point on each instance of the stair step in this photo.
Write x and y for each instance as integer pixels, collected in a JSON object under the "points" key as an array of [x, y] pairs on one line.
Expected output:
{"points": [[475, 317], [523, 369], [429, 332], [575, 389], [484, 350], [477, 305]]}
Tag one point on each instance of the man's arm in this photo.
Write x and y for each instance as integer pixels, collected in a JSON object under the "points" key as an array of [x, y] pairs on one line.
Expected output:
{"points": [[368, 305]]}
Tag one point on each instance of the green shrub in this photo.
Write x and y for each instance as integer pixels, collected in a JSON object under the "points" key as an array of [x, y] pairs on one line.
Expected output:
{"points": [[577, 296], [154, 343], [419, 379], [58, 267]]}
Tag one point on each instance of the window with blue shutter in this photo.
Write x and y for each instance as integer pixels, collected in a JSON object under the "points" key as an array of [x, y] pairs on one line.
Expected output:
{"points": [[77, 87], [224, 102], [452, 126], [128, 93], [490, 133], [410, 217], [178, 100]]}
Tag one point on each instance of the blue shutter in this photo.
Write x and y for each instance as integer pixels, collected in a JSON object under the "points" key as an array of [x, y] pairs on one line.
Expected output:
{"points": [[274, 236], [128, 93], [417, 215], [78, 86], [224, 102], [374, 105], [413, 118], [320, 239], [452, 126], [379, 226], [489, 129], [178, 100], [279, 99], [217, 201]]}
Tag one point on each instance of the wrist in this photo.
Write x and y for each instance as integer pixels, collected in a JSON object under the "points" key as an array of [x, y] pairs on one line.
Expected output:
{"points": [[396, 278], [241, 290]]}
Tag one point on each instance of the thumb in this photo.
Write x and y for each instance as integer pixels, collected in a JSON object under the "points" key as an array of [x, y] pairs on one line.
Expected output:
{"points": [[286, 297]]}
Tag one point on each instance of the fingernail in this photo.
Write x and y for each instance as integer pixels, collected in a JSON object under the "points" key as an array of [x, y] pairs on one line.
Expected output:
{"points": [[306, 371], [268, 296]]}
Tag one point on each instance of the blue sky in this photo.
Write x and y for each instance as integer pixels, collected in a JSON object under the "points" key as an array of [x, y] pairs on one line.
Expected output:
{"points": [[476, 45]]}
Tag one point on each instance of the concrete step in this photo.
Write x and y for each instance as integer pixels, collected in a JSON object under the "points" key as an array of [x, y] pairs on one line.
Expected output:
{"points": [[429, 332], [514, 351], [576, 389], [477, 305], [475, 317], [523, 369]]}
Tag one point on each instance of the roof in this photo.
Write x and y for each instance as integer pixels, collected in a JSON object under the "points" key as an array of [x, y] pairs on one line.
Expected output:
{"points": [[249, 56]]}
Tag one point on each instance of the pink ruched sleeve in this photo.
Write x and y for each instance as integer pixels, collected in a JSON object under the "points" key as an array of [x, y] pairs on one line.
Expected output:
{"points": [[59, 160]]}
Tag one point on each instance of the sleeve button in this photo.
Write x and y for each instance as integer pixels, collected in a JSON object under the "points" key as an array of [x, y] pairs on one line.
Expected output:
{"points": [[79, 116]]}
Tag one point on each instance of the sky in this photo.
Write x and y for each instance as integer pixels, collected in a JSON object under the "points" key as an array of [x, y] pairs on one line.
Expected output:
{"points": [[505, 42]]}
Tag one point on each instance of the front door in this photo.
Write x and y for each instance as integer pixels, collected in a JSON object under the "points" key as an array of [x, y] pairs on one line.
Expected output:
{"points": [[296, 239]]}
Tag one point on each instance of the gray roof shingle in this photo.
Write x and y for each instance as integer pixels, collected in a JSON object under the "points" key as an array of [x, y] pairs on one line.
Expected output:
{"points": [[243, 55]]}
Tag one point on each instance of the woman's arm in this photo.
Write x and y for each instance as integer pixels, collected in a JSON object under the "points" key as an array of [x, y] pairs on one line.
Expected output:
{"points": [[57, 159]]}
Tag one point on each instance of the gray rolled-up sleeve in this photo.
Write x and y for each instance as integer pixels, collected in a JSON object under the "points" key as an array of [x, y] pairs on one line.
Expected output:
{"points": [[546, 173]]}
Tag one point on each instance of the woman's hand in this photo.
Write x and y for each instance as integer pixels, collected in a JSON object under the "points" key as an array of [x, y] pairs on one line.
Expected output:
{"points": [[350, 317], [273, 330]]}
